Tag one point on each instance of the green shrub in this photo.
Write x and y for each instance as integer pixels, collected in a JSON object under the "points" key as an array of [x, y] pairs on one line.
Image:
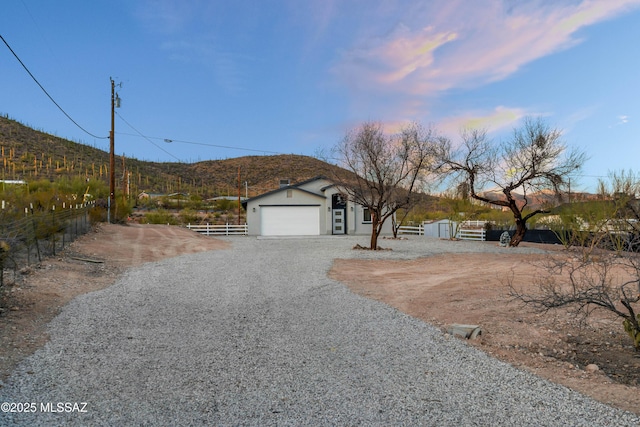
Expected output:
{"points": [[189, 216], [161, 216]]}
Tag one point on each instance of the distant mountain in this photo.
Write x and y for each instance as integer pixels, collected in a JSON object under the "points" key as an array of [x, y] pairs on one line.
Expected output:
{"points": [[30, 154], [540, 199]]}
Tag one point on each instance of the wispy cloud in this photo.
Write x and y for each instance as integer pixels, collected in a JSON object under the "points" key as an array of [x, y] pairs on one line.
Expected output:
{"points": [[167, 16], [183, 28], [500, 118], [622, 120], [460, 44], [226, 68]]}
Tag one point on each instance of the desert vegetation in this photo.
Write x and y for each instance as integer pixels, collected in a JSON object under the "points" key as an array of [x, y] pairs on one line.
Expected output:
{"points": [[388, 173], [600, 269]]}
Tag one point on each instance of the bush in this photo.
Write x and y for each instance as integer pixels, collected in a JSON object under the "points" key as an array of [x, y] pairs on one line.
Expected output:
{"points": [[161, 216], [189, 216], [97, 214]]}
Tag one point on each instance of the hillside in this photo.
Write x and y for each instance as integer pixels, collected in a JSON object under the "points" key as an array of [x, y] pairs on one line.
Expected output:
{"points": [[29, 154]]}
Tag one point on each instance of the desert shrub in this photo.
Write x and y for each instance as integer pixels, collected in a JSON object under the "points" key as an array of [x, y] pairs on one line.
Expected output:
{"points": [[225, 205], [97, 214], [195, 202], [160, 216], [122, 212], [189, 216]]}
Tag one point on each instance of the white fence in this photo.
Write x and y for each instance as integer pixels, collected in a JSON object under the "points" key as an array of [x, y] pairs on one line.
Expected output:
{"points": [[220, 229], [469, 230], [411, 229], [472, 234], [473, 224]]}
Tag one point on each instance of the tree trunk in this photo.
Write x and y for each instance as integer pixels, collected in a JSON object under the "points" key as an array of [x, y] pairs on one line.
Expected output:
{"points": [[394, 227], [374, 233], [521, 230]]}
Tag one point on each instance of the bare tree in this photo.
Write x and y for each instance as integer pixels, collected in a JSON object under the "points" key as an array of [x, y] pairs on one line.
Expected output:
{"points": [[622, 184], [534, 159], [387, 169], [606, 280], [603, 272], [396, 222]]}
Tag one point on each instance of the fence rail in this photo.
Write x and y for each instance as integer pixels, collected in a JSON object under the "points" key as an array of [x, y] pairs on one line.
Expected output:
{"points": [[464, 233], [220, 229], [411, 229], [473, 224], [472, 234]]}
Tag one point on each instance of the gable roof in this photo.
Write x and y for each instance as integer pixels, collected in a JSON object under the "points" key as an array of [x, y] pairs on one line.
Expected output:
{"points": [[290, 187]]}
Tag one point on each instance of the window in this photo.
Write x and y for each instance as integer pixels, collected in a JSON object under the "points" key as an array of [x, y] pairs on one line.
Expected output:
{"points": [[366, 215], [289, 194]]}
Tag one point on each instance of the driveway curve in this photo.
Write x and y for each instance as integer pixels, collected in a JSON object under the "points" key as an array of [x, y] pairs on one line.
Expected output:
{"points": [[259, 335]]}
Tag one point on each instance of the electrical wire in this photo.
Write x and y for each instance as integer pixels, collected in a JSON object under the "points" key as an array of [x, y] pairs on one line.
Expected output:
{"points": [[129, 124], [208, 145], [146, 137], [47, 93]]}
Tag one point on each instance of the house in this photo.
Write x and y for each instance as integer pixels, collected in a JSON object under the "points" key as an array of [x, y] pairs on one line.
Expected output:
{"points": [[310, 208], [147, 195], [230, 198]]}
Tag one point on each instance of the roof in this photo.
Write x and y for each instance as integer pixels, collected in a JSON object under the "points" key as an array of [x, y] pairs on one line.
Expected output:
{"points": [[231, 198], [288, 187]]}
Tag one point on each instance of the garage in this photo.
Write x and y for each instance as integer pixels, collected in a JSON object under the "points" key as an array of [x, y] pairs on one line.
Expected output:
{"points": [[290, 220]]}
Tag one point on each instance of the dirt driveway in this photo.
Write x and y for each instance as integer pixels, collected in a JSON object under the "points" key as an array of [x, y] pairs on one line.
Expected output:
{"points": [[441, 290], [92, 262]]}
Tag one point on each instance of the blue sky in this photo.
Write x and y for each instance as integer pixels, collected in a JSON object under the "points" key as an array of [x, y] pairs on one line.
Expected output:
{"points": [[292, 76]]}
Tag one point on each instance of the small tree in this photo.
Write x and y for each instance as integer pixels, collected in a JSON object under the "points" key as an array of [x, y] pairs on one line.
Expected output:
{"points": [[396, 222], [533, 160], [386, 169]]}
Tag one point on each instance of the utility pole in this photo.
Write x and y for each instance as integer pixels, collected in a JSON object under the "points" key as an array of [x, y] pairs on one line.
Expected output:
{"points": [[124, 181], [112, 160], [115, 102], [239, 206]]}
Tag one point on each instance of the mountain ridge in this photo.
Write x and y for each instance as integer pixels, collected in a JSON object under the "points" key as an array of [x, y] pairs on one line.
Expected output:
{"points": [[29, 154]]}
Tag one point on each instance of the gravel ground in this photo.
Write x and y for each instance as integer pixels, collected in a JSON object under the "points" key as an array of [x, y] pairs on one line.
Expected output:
{"points": [[258, 335]]}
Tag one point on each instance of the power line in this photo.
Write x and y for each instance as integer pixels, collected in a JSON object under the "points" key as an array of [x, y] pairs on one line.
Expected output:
{"points": [[47, 93], [207, 145], [145, 137]]}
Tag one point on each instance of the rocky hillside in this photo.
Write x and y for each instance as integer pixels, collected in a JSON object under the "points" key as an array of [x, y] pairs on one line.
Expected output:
{"points": [[29, 154]]}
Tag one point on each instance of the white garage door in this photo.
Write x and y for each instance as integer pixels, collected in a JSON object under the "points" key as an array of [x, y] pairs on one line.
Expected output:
{"points": [[290, 220]]}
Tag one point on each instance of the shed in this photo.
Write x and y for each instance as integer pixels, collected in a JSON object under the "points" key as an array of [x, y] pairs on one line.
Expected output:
{"points": [[443, 228]]}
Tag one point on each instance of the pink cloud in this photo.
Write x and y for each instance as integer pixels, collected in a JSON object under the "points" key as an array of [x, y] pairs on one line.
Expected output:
{"points": [[469, 43], [500, 118]]}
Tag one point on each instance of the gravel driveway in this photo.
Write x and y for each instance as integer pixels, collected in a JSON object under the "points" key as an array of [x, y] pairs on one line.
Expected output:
{"points": [[258, 335]]}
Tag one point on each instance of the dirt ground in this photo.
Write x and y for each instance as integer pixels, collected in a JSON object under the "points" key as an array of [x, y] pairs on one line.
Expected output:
{"points": [[470, 289], [442, 290]]}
